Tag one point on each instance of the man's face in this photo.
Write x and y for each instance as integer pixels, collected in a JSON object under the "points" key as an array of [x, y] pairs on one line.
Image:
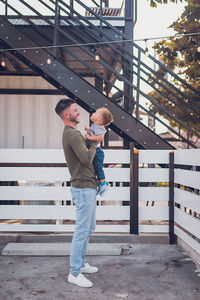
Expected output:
{"points": [[73, 113]]}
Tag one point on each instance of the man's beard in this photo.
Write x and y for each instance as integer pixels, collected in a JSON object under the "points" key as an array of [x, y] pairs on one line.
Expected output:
{"points": [[73, 119]]}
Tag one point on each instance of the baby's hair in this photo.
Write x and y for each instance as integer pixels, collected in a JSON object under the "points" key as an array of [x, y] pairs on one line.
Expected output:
{"points": [[107, 116]]}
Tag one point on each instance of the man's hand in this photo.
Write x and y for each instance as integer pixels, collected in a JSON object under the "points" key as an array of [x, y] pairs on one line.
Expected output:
{"points": [[92, 137]]}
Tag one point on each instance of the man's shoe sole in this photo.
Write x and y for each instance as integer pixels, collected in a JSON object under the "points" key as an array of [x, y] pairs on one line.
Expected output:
{"points": [[79, 284]]}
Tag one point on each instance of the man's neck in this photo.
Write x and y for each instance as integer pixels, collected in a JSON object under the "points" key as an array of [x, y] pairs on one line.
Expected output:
{"points": [[71, 124]]}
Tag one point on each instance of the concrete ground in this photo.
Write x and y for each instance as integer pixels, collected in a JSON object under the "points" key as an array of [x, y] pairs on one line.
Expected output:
{"points": [[149, 272]]}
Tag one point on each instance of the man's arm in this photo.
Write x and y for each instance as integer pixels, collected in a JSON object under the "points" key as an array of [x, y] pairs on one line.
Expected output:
{"points": [[98, 138], [84, 154]]}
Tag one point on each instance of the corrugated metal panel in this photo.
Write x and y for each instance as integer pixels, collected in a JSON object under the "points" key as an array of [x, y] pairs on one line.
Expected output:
{"points": [[30, 121]]}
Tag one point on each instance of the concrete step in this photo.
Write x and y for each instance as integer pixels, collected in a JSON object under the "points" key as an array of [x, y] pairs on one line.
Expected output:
{"points": [[61, 249], [95, 238]]}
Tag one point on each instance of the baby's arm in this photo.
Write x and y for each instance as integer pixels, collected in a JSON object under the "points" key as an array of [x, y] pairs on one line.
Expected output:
{"points": [[92, 137]]}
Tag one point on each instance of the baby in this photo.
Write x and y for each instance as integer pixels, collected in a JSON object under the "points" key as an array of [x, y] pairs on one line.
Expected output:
{"points": [[101, 118]]}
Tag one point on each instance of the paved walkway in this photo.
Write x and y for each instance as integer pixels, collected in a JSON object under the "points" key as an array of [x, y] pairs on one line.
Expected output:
{"points": [[149, 272]]}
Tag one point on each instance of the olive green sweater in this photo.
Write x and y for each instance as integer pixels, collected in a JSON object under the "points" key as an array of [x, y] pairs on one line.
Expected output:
{"points": [[79, 158]]}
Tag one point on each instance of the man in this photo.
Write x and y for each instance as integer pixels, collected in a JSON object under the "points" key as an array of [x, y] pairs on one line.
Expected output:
{"points": [[83, 180]]}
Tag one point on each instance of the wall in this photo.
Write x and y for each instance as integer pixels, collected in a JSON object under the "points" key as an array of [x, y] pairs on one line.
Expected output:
{"points": [[30, 121]]}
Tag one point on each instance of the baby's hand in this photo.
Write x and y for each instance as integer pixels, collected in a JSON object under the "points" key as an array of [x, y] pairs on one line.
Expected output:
{"points": [[90, 137], [86, 128]]}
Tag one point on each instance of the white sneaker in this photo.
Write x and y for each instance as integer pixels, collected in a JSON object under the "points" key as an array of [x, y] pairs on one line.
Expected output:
{"points": [[104, 188], [89, 269], [80, 280]]}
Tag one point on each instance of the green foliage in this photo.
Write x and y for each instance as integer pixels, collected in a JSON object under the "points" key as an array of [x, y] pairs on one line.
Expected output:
{"points": [[153, 3], [180, 55]]}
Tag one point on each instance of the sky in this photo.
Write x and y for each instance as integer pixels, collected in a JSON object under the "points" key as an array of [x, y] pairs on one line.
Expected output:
{"points": [[154, 22]]}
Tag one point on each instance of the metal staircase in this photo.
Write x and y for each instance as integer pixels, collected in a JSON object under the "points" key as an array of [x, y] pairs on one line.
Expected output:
{"points": [[73, 61]]}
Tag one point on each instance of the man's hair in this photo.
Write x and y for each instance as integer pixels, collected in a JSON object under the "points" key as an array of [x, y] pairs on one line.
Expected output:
{"points": [[107, 116], [63, 104]]}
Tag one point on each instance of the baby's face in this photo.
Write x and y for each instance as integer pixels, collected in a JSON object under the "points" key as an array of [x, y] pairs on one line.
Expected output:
{"points": [[97, 116]]}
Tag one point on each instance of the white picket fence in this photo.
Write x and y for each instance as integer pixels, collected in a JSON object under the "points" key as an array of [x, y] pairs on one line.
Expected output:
{"points": [[41, 196], [187, 196]]}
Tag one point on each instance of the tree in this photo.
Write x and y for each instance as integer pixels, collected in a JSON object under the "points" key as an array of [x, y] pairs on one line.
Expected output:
{"points": [[179, 54], [153, 3]]}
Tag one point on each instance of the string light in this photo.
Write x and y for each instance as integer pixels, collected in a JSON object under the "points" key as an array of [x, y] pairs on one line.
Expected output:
{"points": [[48, 61], [97, 57], [198, 46], [103, 43], [93, 48], [95, 52], [3, 62]]}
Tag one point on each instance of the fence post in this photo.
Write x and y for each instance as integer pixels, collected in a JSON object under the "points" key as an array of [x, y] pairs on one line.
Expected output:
{"points": [[134, 154], [171, 198]]}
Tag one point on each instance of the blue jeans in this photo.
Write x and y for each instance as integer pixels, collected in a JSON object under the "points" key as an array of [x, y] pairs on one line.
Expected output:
{"points": [[85, 202], [98, 163]]}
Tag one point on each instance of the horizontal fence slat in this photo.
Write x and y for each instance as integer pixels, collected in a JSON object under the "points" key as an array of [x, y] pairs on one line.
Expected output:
{"points": [[154, 156], [68, 212], [116, 194], [153, 213], [119, 156], [35, 193], [153, 194], [188, 222], [34, 174], [63, 212], [187, 178], [70, 228], [187, 199], [187, 157], [59, 228], [113, 213], [55, 174], [32, 156], [153, 175], [117, 174], [53, 193], [154, 228], [187, 239]]}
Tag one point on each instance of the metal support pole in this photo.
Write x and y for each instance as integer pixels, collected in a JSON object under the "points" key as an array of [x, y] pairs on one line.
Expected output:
{"points": [[71, 7], [138, 85], [134, 155], [6, 8], [127, 62], [101, 14], [55, 31], [135, 13], [171, 198]]}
